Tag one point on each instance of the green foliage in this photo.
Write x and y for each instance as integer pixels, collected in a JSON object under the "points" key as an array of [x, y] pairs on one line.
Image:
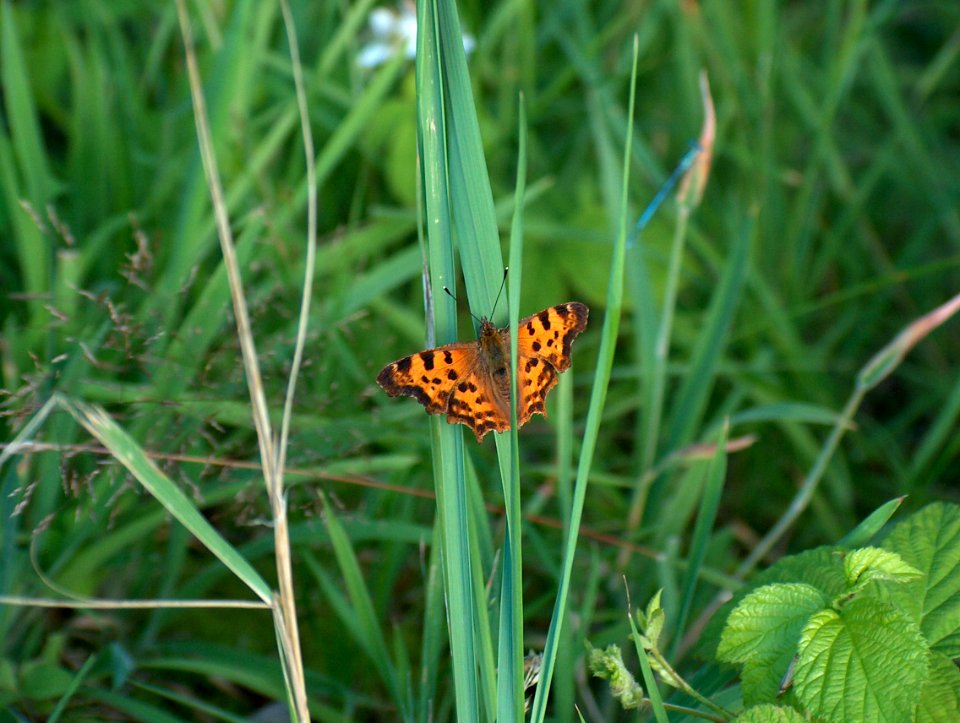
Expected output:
{"points": [[827, 634], [768, 713], [930, 542], [864, 661], [762, 632], [856, 649]]}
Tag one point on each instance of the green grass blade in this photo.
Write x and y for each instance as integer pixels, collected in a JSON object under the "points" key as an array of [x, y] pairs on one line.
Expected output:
{"points": [[478, 243], [433, 628], [362, 608], [471, 200], [448, 468], [865, 532], [32, 180], [692, 398], [132, 456], [226, 96], [23, 119], [649, 679], [510, 652], [608, 339], [78, 678], [709, 503]]}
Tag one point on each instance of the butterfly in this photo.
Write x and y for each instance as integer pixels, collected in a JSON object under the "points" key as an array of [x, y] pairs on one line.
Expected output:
{"points": [[469, 382]]}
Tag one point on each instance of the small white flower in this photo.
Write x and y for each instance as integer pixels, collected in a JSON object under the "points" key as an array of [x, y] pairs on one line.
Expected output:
{"points": [[393, 32]]}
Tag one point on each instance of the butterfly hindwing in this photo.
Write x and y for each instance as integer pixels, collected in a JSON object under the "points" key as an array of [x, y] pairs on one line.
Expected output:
{"points": [[535, 378], [472, 402]]}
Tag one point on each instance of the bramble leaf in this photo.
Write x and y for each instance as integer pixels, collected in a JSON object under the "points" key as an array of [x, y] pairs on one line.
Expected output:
{"points": [[867, 661], [874, 563], [930, 541], [940, 697], [762, 633], [769, 713], [817, 567]]}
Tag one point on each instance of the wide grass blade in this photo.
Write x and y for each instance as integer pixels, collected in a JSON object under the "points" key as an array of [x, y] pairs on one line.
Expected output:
{"points": [[510, 675], [24, 167], [448, 463], [361, 615], [708, 354], [709, 504], [471, 200], [132, 456]]}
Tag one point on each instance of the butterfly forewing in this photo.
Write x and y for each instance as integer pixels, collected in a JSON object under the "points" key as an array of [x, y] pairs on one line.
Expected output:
{"points": [[429, 376], [550, 333], [543, 344]]}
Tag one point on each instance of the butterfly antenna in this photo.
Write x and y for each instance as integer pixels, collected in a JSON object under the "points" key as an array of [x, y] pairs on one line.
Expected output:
{"points": [[499, 293], [450, 294]]}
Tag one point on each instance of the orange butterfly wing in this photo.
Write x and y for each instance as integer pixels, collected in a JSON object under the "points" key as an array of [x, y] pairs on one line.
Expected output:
{"points": [[429, 376], [543, 346], [448, 380], [468, 381]]}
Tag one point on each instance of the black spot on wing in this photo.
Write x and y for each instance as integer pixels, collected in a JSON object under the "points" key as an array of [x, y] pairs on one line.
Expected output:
{"points": [[535, 407], [427, 358], [544, 317]]}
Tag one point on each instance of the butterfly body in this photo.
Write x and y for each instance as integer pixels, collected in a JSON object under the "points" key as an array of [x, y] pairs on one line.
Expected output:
{"points": [[469, 382]]}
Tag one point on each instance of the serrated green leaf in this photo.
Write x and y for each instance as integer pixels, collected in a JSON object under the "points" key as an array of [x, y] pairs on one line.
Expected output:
{"points": [[940, 697], [930, 541], [818, 567], [762, 633], [866, 662], [875, 563], [651, 621], [769, 714], [767, 620]]}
